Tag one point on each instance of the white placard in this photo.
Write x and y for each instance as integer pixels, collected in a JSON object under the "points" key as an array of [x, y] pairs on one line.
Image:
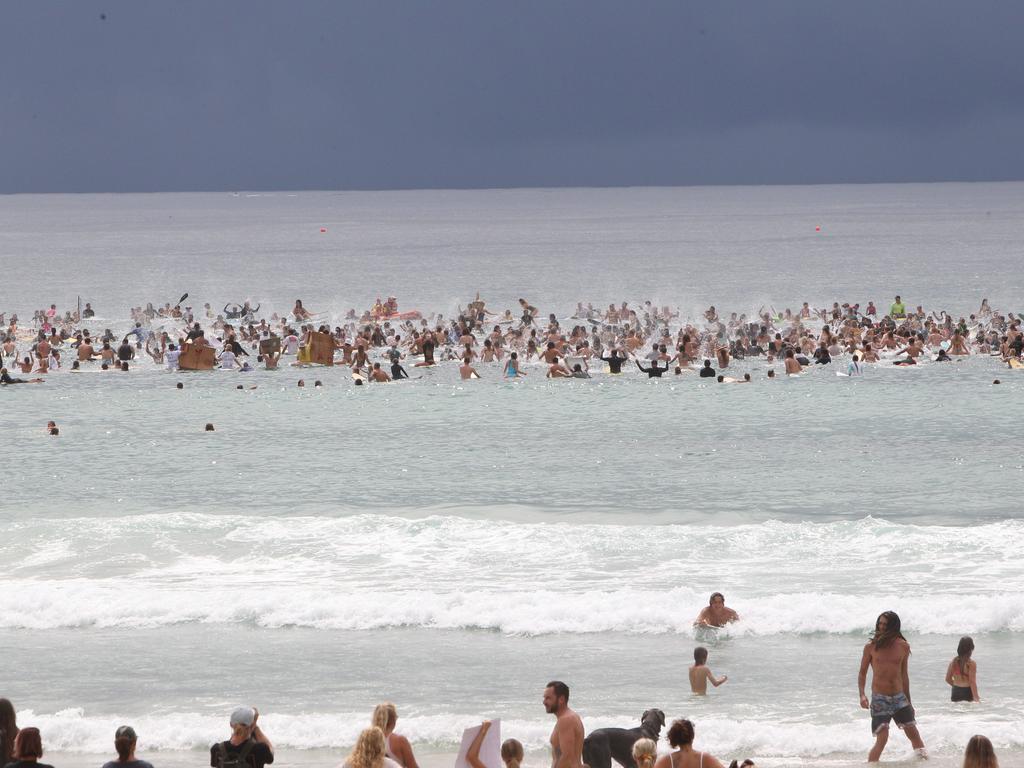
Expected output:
{"points": [[490, 749]]}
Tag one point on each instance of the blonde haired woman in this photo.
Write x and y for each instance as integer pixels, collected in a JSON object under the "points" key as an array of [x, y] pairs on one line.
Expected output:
{"points": [[645, 752], [369, 751], [396, 746]]}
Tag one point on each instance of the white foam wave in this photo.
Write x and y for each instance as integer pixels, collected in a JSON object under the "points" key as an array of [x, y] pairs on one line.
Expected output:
{"points": [[370, 572], [72, 730], [28, 605]]}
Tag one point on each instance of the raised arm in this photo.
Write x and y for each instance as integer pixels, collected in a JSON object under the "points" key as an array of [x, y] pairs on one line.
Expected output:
{"points": [[473, 755]]}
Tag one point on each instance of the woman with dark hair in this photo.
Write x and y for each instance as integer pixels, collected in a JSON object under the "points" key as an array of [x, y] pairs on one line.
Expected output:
{"points": [[962, 672], [680, 736], [28, 748], [124, 742], [8, 731]]}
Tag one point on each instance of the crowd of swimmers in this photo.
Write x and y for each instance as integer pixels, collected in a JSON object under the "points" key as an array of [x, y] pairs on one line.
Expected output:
{"points": [[381, 346], [885, 656]]}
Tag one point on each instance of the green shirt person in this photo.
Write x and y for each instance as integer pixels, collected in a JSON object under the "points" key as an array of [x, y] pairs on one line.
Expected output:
{"points": [[898, 308]]}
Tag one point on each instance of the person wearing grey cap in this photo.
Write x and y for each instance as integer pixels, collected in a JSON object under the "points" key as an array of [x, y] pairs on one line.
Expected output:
{"points": [[248, 746], [124, 742]]}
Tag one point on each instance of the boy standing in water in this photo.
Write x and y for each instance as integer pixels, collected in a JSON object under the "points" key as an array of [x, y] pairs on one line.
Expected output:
{"points": [[700, 675], [888, 654]]}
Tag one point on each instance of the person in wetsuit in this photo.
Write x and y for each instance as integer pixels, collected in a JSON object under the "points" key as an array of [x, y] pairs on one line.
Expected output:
{"points": [[652, 371], [397, 371], [5, 378], [615, 361], [707, 372]]}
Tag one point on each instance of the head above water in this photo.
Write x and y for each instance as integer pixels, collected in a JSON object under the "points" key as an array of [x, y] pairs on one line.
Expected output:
{"points": [[700, 655]]}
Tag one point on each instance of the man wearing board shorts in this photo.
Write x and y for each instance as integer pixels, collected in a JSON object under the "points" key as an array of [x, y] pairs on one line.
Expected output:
{"points": [[887, 655]]}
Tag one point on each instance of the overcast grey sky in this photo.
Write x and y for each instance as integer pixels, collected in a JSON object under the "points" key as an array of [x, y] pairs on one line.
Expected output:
{"points": [[130, 95]]}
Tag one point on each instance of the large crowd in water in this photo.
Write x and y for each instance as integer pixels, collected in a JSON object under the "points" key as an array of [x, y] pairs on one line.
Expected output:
{"points": [[382, 344]]}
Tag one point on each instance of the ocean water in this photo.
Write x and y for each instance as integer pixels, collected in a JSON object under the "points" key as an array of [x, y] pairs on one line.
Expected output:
{"points": [[452, 546]]}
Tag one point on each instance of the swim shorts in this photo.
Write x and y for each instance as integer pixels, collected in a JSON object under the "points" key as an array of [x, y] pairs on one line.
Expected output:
{"points": [[885, 708]]}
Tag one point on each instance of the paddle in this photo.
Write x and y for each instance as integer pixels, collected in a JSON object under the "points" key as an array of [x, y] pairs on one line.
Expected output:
{"points": [[183, 297]]}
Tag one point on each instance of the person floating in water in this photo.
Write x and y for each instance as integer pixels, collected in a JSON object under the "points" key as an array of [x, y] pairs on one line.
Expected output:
{"points": [[716, 614]]}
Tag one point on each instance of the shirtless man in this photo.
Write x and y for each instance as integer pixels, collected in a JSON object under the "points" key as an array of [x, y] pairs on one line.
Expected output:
{"points": [[85, 351], [716, 614], [792, 364], [567, 736], [557, 370], [376, 374], [887, 654], [467, 371]]}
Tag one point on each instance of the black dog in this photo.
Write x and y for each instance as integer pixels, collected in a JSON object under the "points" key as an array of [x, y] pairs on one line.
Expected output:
{"points": [[607, 744]]}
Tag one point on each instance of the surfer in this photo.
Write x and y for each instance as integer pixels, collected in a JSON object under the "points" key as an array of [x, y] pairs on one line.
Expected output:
{"points": [[615, 361], [715, 614]]}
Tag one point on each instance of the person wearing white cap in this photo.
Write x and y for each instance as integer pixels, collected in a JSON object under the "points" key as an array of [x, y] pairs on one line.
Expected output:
{"points": [[248, 746]]}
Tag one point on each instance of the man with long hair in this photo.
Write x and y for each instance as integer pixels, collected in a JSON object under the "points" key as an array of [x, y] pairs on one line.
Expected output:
{"points": [[888, 654]]}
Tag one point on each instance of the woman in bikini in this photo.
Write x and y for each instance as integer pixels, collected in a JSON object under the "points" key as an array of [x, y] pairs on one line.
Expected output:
{"points": [[962, 673], [680, 736]]}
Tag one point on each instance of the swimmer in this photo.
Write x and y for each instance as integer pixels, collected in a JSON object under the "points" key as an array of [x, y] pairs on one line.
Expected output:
{"points": [[579, 373], [653, 371], [716, 614], [855, 368], [377, 375], [5, 379], [558, 371], [701, 675], [792, 364], [615, 361], [467, 371], [512, 370]]}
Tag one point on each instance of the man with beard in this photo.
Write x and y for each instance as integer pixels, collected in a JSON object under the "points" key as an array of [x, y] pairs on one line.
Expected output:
{"points": [[567, 736]]}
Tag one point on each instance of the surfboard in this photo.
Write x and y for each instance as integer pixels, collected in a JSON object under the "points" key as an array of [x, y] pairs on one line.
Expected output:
{"points": [[1015, 363]]}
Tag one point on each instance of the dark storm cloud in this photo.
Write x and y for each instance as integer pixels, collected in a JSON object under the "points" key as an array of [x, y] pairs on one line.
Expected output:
{"points": [[129, 95]]}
